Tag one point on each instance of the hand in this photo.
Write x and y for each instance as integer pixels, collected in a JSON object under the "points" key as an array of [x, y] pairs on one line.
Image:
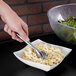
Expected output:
{"points": [[14, 24]]}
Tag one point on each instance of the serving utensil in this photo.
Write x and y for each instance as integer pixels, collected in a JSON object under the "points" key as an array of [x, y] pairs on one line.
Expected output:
{"points": [[40, 54]]}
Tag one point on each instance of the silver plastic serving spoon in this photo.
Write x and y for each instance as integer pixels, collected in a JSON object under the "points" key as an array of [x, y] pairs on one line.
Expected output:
{"points": [[40, 54]]}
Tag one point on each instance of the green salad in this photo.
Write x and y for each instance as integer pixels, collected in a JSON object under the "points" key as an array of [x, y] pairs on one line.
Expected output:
{"points": [[70, 21], [68, 34]]}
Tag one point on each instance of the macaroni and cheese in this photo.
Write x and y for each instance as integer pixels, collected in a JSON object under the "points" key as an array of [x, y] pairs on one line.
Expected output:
{"points": [[55, 55]]}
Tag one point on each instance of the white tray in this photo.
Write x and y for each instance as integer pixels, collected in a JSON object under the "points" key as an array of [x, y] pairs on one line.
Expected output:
{"points": [[19, 53]]}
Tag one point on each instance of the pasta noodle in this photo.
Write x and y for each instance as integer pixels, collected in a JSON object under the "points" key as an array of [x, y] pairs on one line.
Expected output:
{"points": [[55, 55]]}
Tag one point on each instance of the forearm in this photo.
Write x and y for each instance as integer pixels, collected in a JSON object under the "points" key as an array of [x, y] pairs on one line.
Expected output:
{"points": [[4, 9]]}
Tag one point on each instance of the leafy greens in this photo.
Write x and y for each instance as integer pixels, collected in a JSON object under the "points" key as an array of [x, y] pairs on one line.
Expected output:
{"points": [[71, 21]]}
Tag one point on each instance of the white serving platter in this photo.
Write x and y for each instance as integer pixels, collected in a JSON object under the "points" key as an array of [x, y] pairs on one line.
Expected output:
{"points": [[43, 67]]}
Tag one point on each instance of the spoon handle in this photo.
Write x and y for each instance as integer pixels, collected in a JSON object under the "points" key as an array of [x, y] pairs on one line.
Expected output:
{"points": [[35, 49]]}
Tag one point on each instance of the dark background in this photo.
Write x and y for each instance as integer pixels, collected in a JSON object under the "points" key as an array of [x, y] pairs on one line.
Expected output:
{"points": [[34, 13], [11, 66]]}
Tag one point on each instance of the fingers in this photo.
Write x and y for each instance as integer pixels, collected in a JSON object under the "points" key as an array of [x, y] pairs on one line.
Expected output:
{"points": [[21, 30], [12, 33], [15, 37]]}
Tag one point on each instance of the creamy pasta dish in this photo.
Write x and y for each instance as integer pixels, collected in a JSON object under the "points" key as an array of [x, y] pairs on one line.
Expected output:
{"points": [[55, 55]]}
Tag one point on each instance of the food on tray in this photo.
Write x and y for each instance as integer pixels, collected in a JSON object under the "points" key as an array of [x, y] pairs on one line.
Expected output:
{"points": [[71, 21], [55, 55]]}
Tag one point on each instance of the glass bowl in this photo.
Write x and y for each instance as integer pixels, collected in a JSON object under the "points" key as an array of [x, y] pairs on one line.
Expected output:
{"points": [[64, 32]]}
